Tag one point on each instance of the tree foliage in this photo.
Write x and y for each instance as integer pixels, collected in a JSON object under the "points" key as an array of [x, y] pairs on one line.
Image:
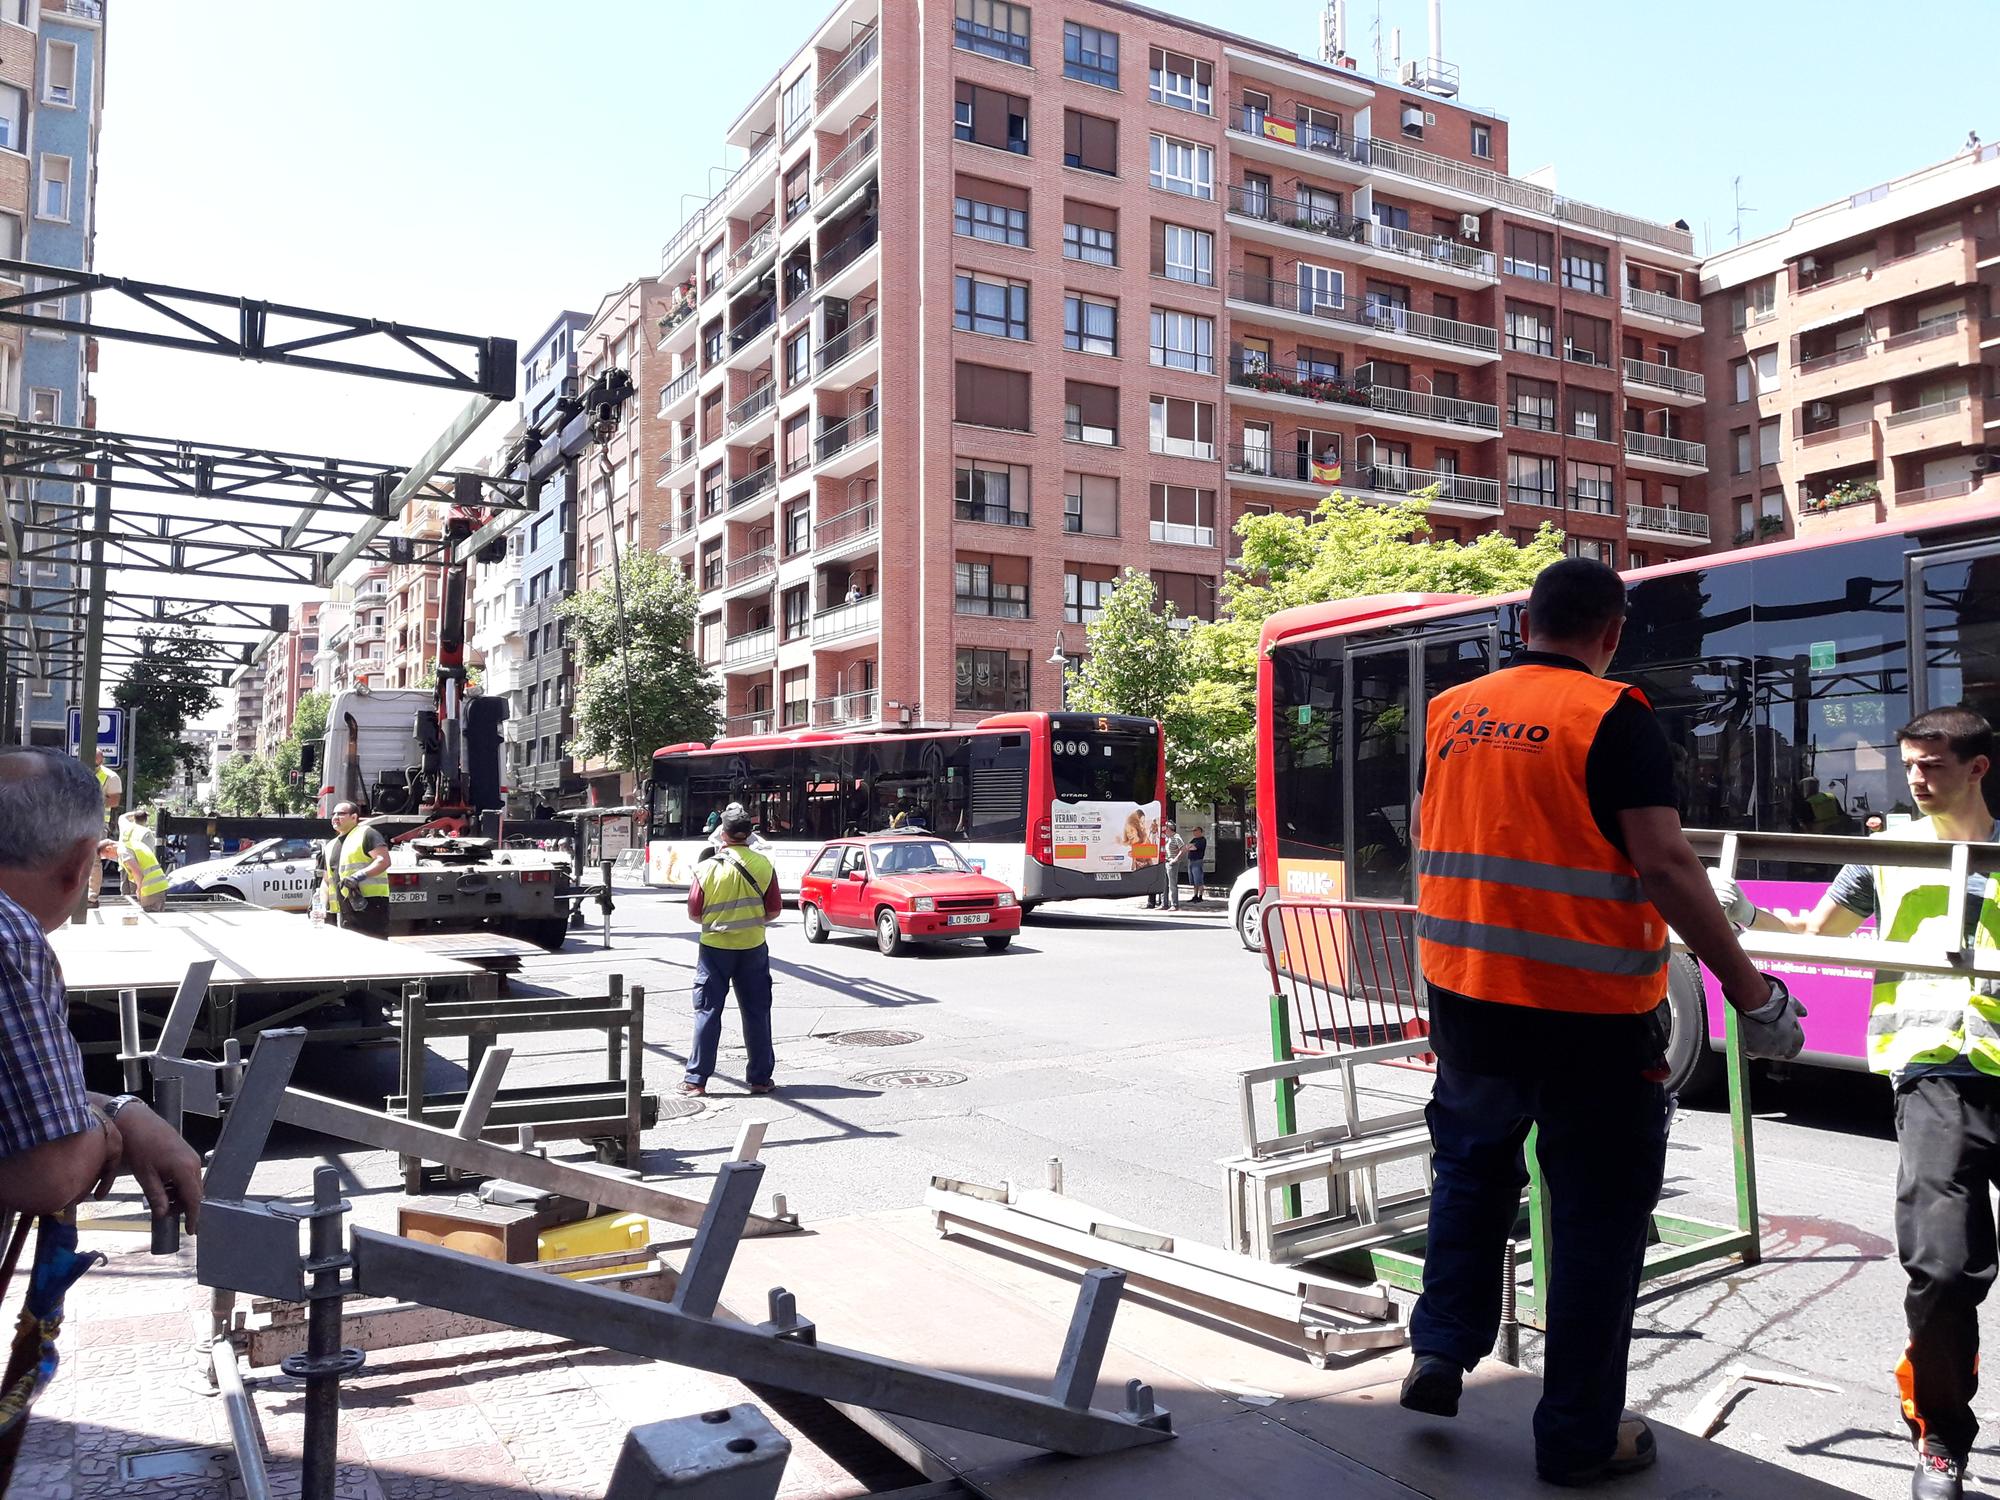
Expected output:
{"points": [[1200, 678], [170, 684], [248, 786], [642, 686]]}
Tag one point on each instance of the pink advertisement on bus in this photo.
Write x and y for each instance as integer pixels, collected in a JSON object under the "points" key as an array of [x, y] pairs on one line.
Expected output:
{"points": [[1835, 996]]}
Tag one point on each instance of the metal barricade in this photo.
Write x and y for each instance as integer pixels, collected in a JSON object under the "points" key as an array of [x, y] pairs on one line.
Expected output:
{"points": [[1347, 972]]}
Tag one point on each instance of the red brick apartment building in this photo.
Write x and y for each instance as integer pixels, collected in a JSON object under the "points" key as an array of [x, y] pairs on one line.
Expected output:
{"points": [[1005, 298]]}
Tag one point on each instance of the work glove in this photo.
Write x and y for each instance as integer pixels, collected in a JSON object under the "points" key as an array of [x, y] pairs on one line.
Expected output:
{"points": [[1772, 1030], [350, 894], [1736, 906]]}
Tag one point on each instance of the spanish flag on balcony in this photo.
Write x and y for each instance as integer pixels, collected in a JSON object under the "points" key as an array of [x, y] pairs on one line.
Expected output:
{"points": [[1281, 130], [1326, 473]]}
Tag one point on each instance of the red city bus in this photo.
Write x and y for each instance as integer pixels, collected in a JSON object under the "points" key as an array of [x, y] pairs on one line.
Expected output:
{"points": [[1057, 805], [1780, 674]]}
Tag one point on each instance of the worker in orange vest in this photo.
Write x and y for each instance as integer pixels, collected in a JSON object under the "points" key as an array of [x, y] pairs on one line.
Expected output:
{"points": [[1550, 861]]}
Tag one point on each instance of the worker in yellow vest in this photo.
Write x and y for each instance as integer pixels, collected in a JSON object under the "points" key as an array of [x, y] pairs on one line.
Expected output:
{"points": [[357, 873], [733, 895], [1937, 1037], [112, 785], [145, 881]]}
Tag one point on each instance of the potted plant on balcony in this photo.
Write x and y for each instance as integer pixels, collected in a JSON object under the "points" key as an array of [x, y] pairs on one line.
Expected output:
{"points": [[1770, 525], [1846, 492], [1743, 537]]}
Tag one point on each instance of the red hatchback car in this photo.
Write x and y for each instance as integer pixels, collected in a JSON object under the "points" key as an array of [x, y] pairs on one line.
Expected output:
{"points": [[905, 887]]}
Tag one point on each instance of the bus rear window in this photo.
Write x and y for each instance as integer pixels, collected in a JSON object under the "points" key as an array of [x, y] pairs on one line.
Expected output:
{"points": [[1105, 767], [1307, 683]]}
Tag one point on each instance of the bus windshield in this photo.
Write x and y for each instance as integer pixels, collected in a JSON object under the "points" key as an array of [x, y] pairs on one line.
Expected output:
{"points": [[1104, 767]]}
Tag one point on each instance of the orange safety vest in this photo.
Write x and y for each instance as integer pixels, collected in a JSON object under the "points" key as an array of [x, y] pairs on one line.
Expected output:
{"points": [[1521, 899]]}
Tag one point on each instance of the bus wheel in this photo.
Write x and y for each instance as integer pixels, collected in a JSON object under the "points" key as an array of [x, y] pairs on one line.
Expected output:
{"points": [[1028, 909], [1694, 1068], [888, 936], [813, 923]]}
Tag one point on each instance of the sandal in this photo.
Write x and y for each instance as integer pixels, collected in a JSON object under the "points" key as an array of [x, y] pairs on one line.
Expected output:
{"points": [[694, 1088], [1635, 1451]]}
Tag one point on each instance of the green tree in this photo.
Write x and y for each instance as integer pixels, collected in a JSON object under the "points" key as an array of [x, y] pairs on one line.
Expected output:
{"points": [[293, 792], [171, 682], [247, 786], [642, 684]]}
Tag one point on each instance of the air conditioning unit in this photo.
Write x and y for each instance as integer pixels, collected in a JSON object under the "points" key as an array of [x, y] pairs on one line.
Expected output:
{"points": [[1468, 225], [1985, 463], [1808, 264], [1819, 411]]}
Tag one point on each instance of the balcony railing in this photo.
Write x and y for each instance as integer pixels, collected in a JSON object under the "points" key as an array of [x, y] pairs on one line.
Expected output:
{"points": [[1929, 411], [850, 340], [1370, 314], [1665, 377], [989, 513], [1303, 135], [1383, 398], [1183, 535], [1264, 462], [845, 161], [759, 564], [1834, 434], [996, 606], [1433, 249], [1949, 489], [1660, 305], [845, 708], [753, 405], [847, 619], [859, 54], [758, 722], [750, 646], [760, 243], [751, 486], [1942, 328], [1459, 489], [1253, 374], [849, 525], [849, 248], [1844, 355], [1666, 449], [1290, 213], [1663, 519], [681, 385], [675, 527], [680, 453], [849, 430], [757, 322]]}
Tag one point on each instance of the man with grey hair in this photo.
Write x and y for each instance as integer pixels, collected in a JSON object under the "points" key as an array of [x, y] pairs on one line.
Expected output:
{"points": [[58, 1143]]}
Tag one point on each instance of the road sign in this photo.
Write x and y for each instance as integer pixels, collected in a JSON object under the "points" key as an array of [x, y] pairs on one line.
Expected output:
{"points": [[110, 733]]}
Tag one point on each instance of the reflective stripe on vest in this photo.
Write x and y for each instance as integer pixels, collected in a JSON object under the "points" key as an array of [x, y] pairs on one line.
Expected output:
{"points": [[732, 898], [1915, 1019], [354, 858], [1521, 898], [152, 879]]}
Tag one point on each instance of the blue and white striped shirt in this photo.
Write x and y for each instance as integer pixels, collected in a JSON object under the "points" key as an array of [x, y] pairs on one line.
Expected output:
{"points": [[42, 1097]]}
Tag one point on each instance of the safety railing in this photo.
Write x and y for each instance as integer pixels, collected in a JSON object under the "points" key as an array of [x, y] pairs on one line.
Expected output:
{"points": [[1929, 411], [1660, 305], [1665, 449], [1459, 413], [854, 524], [763, 241], [860, 53], [1835, 434], [863, 614], [753, 405], [758, 322], [849, 157], [1291, 213], [1942, 328], [1347, 971], [752, 645], [849, 248], [1433, 249], [852, 339], [848, 431], [1667, 521], [747, 569], [756, 483], [681, 385], [1661, 377], [1459, 489], [845, 708]]}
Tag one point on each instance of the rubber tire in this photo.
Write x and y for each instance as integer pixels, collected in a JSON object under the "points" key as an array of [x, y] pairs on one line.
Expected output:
{"points": [[549, 934], [888, 936], [1028, 909], [813, 923], [1250, 923], [1694, 1068], [996, 942], [224, 890]]}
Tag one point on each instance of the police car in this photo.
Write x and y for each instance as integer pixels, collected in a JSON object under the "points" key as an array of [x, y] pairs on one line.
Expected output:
{"points": [[276, 873]]}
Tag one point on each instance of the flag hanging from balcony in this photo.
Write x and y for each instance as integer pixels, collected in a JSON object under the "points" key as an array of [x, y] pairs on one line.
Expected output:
{"points": [[1326, 471], [1281, 130]]}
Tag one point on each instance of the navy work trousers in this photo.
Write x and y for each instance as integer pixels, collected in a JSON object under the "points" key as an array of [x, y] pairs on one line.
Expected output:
{"points": [[749, 969]]}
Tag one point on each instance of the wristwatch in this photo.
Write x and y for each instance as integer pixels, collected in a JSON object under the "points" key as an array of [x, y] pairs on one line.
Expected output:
{"points": [[118, 1103]]}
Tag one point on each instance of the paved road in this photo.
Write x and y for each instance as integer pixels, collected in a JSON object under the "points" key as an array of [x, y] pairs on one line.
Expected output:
{"points": [[1108, 1036]]}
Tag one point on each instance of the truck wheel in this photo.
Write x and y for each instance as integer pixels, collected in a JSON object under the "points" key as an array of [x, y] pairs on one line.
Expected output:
{"points": [[813, 923], [1694, 1068], [549, 934], [888, 936]]}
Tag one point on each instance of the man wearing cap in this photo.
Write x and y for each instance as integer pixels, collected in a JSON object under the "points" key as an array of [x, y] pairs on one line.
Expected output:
{"points": [[733, 896]]}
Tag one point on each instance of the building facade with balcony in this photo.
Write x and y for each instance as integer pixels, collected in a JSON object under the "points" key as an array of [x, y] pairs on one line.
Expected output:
{"points": [[998, 305], [288, 674], [1853, 358], [247, 722]]}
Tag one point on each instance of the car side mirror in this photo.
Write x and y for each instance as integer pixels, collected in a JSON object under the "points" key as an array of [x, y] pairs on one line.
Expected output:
{"points": [[857, 874]]}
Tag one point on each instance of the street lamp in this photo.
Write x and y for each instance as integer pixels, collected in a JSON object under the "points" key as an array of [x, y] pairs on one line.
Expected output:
{"points": [[1060, 662]]}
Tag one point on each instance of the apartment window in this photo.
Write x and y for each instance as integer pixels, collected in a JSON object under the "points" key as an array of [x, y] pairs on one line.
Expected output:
{"points": [[1182, 341], [714, 265], [1180, 82], [1184, 254], [1590, 547], [1183, 514], [798, 527], [1182, 429], [795, 443], [1182, 167], [794, 697], [990, 681], [1189, 595], [798, 357], [1090, 413], [1531, 479], [1763, 299], [54, 200], [987, 117], [1090, 143], [1090, 324], [1090, 505], [13, 118], [798, 190], [1740, 443], [796, 105], [986, 396], [996, 586], [712, 485], [1589, 414], [1586, 340], [10, 240], [711, 345], [1482, 141], [992, 28], [1084, 595], [1767, 442], [1771, 505], [990, 211], [985, 305], [1530, 330], [1738, 308], [59, 74], [991, 494], [1740, 372], [1090, 233], [45, 407], [1767, 371], [795, 612], [1090, 55], [1592, 487], [1583, 267], [1530, 253], [1531, 403]]}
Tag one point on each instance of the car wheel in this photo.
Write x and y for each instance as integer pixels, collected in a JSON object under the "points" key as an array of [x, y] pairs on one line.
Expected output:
{"points": [[224, 890], [1250, 923], [996, 942], [813, 923], [888, 936]]}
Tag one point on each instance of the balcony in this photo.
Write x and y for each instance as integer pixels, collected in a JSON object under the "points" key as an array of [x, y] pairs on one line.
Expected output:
{"points": [[1260, 463], [1936, 424], [1181, 535], [1644, 450], [676, 459], [1424, 412], [1374, 322], [752, 649], [748, 569], [846, 163], [851, 340], [678, 394], [1254, 131], [1436, 252], [753, 406], [1658, 310], [844, 444], [844, 75], [1457, 494], [845, 708], [1669, 383], [848, 531], [677, 531], [754, 255], [843, 269], [1666, 524], [759, 321], [677, 319], [847, 621], [1290, 221], [1289, 388], [741, 726], [753, 486]]}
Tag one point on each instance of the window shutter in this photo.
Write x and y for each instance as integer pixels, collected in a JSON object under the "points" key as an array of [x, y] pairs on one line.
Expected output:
{"points": [[1159, 248], [1090, 215]]}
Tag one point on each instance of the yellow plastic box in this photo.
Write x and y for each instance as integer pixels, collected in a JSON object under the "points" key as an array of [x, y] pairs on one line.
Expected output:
{"points": [[604, 1235]]}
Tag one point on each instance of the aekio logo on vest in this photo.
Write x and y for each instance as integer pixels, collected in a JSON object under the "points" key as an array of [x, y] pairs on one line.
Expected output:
{"points": [[1471, 725]]}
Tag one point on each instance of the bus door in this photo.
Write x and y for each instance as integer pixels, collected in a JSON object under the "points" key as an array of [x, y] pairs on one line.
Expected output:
{"points": [[1954, 619]]}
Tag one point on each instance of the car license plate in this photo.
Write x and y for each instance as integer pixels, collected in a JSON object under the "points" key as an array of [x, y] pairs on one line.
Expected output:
{"points": [[397, 898], [968, 919], [1114, 875]]}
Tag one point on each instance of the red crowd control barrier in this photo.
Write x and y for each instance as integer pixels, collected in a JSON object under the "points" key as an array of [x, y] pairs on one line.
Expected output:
{"points": [[1347, 972]]}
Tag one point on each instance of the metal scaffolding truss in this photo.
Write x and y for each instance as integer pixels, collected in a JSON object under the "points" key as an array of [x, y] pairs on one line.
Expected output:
{"points": [[171, 317]]}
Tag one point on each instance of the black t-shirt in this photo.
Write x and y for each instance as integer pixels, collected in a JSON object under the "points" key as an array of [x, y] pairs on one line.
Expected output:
{"points": [[1630, 765], [1198, 847]]}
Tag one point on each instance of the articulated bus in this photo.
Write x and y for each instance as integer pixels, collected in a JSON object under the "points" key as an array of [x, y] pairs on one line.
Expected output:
{"points": [[1780, 674], [1057, 805]]}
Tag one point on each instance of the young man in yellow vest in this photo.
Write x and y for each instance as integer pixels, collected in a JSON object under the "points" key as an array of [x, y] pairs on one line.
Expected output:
{"points": [[733, 896], [145, 881], [1938, 1039], [357, 874], [1550, 861]]}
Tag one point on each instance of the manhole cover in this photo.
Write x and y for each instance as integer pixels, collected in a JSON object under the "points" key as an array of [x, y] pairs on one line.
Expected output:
{"points": [[176, 1463], [679, 1107], [910, 1078], [873, 1038]]}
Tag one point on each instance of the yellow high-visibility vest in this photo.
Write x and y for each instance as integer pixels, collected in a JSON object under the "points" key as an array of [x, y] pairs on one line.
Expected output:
{"points": [[1916, 1019]]}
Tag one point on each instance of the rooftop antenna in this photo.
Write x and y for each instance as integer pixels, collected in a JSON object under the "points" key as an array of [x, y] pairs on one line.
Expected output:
{"points": [[1376, 30], [1742, 208], [1333, 33]]}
